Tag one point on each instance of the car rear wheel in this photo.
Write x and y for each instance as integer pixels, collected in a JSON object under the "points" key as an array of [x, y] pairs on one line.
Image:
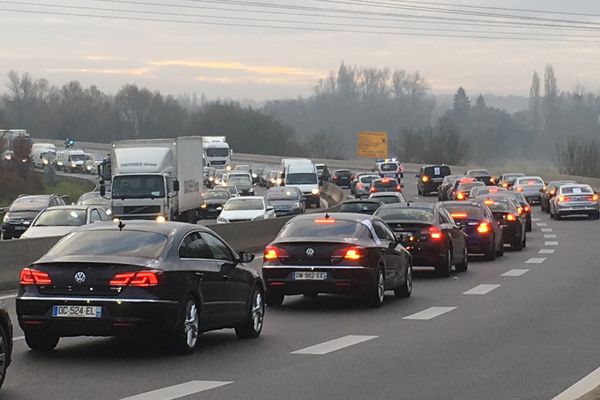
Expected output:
{"points": [[377, 293], [405, 290], [528, 226], [256, 312], [41, 340], [517, 244], [4, 353], [464, 264], [444, 268], [186, 336], [274, 299], [557, 216], [500, 251]]}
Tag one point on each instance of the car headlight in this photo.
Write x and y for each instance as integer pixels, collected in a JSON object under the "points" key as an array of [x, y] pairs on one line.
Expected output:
{"points": [[73, 164], [296, 205], [315, 191], [45, 161], [109, 212], [251, 190], [254, 176], [60, 163], [6, 219], [203, 206], [88, 168], [26, 222], [161, 218]]}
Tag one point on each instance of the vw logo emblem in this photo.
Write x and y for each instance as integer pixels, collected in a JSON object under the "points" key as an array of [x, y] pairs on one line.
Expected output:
{"points": [[79, 277], [310, 252]]}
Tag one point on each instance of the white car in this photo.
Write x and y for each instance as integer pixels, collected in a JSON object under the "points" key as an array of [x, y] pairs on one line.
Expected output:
{"points": [[249, 208], [62, 220]]}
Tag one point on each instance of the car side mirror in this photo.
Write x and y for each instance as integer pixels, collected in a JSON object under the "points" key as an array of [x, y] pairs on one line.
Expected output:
{"points": [[245, 258], [417, 176], [102, 189], [176, 186], [270, 208], [393, 244], [2, 210]]}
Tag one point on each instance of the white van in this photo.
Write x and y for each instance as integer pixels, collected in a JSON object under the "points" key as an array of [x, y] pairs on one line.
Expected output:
{"points": [[302, 174], [71, 160], [42, 156]]}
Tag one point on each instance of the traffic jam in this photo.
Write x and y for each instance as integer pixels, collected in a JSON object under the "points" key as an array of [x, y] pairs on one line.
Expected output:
{"points": [[137, 256]]}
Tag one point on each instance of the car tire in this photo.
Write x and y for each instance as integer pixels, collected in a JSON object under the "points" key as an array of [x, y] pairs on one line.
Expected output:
{"points": [[595, 215], [253, 325], [444, 267], [517, 245], [464, 265], [185, 340], [5, 236], [490, 253], [404, 291], [500, 251], [528, 226], [557, 216], [524, 241], [4, 353], [274, 299], [41, 340], [376, 294]]}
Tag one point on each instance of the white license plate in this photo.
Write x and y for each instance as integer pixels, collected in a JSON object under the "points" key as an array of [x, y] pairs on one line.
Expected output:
{"points": [[310, 276], [77, 311], [21, 228]]}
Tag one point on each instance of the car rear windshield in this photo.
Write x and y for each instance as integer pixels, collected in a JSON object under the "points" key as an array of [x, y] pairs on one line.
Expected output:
{"points": [[384, 184], [221, 195], [499, 206], [442, 170], [243, 204], [283, 195], [367, 179], [406, 214], [308, 178], [343, 172], [530, 181], [389, 167], [111, 243], [61, 217], [465, 187], [464, 212], [388, 199], [314, 228], [576, 190], [359, 207]]}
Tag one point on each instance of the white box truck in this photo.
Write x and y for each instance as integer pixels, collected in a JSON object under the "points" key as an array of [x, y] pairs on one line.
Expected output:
{"points": [[217, 152], [157, 178]]}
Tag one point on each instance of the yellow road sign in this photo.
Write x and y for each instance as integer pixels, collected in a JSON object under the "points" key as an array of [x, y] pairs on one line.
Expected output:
{"points": [[372, 145]]}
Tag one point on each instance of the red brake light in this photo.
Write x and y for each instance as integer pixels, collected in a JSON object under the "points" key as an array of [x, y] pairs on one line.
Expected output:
{"points": [[519, 189], [373, 189], [360, 185], [595, 197], [527, 209], [398, 188], [520, 210], [511, 217], [30, 276], [563, 198], [273, 253], [460, 196], [484, 227], [489, 202], [425, 178], [435, 233], [335, 177], [505, 185], [459, 215], [552, 192], [385, 180], [348, 253], [144, 278], [325, 221]]}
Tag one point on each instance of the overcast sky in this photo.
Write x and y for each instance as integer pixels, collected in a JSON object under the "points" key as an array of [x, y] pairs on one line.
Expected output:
{"points": [[259, 63]]}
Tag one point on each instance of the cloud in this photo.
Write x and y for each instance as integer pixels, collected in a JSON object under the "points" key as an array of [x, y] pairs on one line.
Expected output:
{"points": [[99, 58], [238, 66], [250, 80], [106, 71]]}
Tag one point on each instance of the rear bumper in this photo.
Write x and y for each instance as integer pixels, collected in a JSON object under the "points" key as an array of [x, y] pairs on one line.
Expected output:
{"points": [[430, 186], [577, 209], [511, 233], [340, 279], [118, 315], [533, 198], [426, 254], [478, 244]]}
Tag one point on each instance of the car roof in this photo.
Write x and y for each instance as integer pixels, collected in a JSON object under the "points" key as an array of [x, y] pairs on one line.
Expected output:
{"points": [[246, 198], [434, 165], [165, 228], [462, 203], [430, 206], [355, 201], [356, 217], [71, 207]]}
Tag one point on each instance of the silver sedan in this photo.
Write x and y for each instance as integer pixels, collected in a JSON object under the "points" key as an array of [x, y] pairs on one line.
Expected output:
{"points": [[575, 200]]}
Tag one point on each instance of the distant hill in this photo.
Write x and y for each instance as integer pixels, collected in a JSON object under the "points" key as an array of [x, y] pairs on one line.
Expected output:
{"points": [[510, 104]]}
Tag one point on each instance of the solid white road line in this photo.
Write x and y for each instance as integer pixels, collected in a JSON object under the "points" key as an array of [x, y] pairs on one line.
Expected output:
{"points": [[515, 272], [553, 236], [546, 229], [334, 345], [178, 391], [551, 243], [482, 289], [581, 388], [8, 296], [542, 224], [430, 313], [535, 260], [546, 251]]}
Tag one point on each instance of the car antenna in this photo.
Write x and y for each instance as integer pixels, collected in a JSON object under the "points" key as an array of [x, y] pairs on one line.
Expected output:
{"points": [[121, 225], [327, 216]]}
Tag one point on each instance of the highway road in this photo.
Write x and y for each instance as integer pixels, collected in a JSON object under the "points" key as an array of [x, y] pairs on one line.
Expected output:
{"points": [[523, 327]]}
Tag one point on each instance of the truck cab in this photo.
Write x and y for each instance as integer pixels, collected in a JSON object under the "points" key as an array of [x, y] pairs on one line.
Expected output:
{"points": [[217, 152]]}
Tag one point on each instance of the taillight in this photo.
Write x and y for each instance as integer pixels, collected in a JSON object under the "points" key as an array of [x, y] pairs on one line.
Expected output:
{"points": [[30, 276], [460, 196], [398, 188], [335, 177], [595, 197], [360, 186], [372, 190], [552, 192], [434, 232], [349, 253], [425, 178], [274, 253], [510, 217], [484, 227], [527, 208], [519, 189], [563, 199], [138, 279], [520, 210], [505, 185]]}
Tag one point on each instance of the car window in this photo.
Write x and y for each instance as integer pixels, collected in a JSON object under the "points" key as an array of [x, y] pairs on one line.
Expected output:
{"points": [[194, 247], [95, 216], [383, 232], [219, 250], [445, 217]]}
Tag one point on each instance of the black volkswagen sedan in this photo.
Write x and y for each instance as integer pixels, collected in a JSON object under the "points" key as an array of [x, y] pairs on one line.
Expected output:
{"points": [[430, 234], [484, 234], [506, 211], [339, 253], [106, 279], [213, 202]]}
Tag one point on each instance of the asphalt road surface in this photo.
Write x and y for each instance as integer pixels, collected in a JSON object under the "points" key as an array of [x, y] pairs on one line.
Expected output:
{"points": [[523, 327]]}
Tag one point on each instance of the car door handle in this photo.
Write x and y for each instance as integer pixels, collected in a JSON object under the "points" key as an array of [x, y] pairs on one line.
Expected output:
{"points": [[226, 278], [200, 275]]}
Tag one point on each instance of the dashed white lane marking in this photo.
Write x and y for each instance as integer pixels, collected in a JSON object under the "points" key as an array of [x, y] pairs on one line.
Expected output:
{"points": [[535, 260], [335, 344], [550, 236], [178, 391], [551, 243], [542, 224], [482, 289], [17, 338], [515, 272], [430, 313], [535, 219], [8, 296], [584, 386], [546, 230], [546, 251]]}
